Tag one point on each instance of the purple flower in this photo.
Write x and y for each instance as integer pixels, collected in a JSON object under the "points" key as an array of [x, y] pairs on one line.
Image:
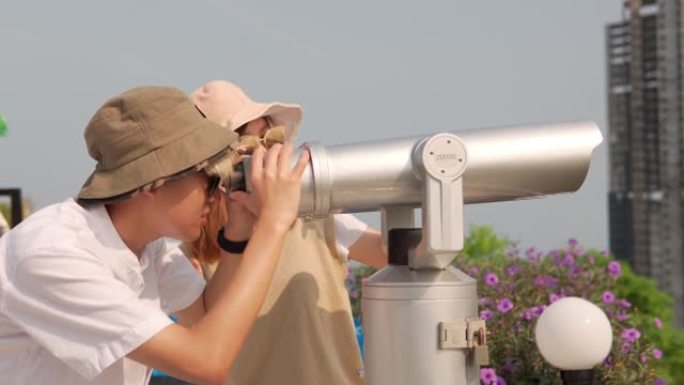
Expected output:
{"points": [[621, 315], [547, 281], [626, 346], [591, 260], [488, 376], [572, 242], [532, 312], [569, 260], [658, 323], [659, 381], [614, 269], [500, 381], [509, 366], [526, 315], [473, 271], [608, 297], [491, 279], [486, 315], [558, 261], [643, 358], [538, 310], [349, 279], [553, 297], [533, 255], [512, 270], [631, 334], [504, 306], [608, 361], [657, 353], [624, 303], [483, 301]]}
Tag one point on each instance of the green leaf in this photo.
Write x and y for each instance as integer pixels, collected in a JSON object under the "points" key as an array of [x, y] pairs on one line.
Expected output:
{"points": [[3, 125]]}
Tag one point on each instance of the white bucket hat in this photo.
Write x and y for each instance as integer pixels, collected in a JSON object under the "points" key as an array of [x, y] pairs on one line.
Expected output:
{"points": [[226, 104]]}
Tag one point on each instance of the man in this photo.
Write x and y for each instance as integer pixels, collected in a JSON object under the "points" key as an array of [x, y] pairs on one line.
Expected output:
{"points": [[304, 333], [83, 282]]}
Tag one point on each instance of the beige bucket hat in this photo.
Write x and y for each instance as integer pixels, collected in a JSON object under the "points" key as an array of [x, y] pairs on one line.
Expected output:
{"points": [[146, 134], [226, 104]]}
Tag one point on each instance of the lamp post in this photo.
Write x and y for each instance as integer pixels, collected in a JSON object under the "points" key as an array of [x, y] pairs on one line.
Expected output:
{"points": [[574, 335]]}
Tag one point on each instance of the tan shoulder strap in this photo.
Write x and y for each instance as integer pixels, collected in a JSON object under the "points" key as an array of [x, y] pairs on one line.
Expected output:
{"points": [[330, 239]]}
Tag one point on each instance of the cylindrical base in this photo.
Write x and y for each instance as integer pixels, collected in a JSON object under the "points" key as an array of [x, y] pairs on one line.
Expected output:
{"points": [[402, 310], [578, 377]]}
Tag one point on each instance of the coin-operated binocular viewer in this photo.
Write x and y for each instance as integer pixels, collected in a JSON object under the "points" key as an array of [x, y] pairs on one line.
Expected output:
{"points": [[419, 314]]}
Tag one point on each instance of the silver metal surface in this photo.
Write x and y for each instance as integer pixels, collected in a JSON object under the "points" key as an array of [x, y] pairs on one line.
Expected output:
{"points": [[504, 164], [402, 310], [440, 161], [320, 188], [403, 307]]}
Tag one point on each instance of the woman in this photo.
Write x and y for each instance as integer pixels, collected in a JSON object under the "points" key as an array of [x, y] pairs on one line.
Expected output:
{"points": [[304, 332]]}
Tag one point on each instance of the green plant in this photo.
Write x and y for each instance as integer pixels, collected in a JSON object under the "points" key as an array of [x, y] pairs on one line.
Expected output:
{"points": [[654, 311], [483, 242], [5, 211], [515, 287], [354, 283]]}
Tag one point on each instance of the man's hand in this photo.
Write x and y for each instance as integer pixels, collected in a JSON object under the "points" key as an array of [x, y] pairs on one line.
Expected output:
{"points": [[275, 184]]}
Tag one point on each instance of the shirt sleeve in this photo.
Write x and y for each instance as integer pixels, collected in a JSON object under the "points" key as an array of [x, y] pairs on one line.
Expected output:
{"points": [[73, 306], [179, 283], [348, 230]]}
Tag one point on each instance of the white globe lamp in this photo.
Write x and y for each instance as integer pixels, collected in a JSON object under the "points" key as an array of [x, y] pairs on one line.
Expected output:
{"points": [[574, 335]]}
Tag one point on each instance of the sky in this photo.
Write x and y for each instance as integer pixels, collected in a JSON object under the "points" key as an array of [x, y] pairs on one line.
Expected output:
{"points": [[362, 70]]}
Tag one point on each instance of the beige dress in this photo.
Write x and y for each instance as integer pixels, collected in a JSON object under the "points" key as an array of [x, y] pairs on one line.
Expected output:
{"points": [[304, 333]]}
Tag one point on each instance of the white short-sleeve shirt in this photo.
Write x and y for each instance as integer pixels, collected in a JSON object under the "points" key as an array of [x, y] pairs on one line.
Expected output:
{"points": [[74, 300], [348, 230]]}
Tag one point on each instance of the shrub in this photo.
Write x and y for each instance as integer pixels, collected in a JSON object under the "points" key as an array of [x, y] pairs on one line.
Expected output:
{"points": [[514, 288]]}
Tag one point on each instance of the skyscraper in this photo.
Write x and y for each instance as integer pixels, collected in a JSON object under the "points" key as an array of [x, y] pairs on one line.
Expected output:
{"points": [[646, 142]]}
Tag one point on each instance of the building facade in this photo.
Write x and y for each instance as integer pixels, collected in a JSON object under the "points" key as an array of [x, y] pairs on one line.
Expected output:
{"points": [[646, 142]]}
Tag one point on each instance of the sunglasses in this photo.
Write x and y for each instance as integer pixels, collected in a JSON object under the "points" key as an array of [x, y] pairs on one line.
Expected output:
{"points": [[248, 143]]}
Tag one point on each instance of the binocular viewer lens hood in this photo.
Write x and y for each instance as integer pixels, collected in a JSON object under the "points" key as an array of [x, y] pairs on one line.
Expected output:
{"points": [[497, 164]]}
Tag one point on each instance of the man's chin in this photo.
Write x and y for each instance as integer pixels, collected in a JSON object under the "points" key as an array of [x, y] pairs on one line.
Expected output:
{"points": [[190, 236]]}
